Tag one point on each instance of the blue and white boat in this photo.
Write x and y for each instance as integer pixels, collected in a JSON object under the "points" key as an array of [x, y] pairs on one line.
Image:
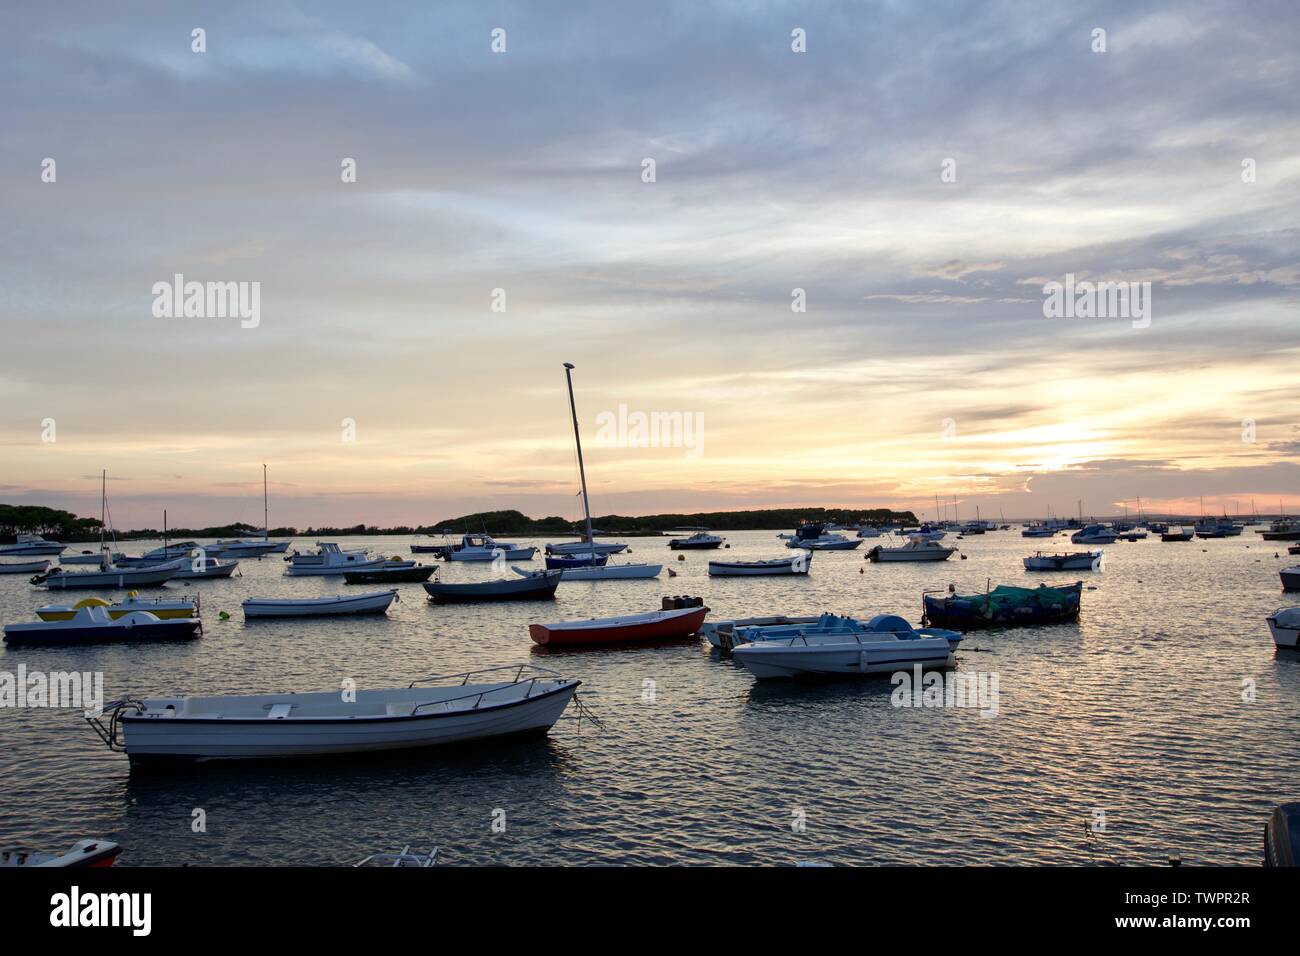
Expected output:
{"points": [[837, 646]]}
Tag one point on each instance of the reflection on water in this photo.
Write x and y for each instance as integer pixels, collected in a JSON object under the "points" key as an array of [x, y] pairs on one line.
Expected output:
{"points": [[1165, 707]]}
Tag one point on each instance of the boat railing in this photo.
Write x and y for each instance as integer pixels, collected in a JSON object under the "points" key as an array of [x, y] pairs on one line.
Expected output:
{"points": [[112, 710], [542, 674]]}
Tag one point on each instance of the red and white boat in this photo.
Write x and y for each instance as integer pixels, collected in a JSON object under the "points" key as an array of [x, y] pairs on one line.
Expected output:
{"points": [[629, 628]]}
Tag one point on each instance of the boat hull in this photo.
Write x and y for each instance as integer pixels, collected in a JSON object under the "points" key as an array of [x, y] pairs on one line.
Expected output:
{"points": [[531, 588], [505, 554], [662, 626], [109, 580], [389, 575], [773, 659], [265, 737], [879, 554], [1290, 579], [341, 606], [613, 572], [580, 547], [31, 550], [1284, 635], [964, 614], [26, 567], [741, 569], [167, 629]]}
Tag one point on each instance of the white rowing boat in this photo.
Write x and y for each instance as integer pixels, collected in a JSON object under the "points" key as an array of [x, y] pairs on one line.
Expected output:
{"points": [[375, 602], [425, 714], [775, 566]]}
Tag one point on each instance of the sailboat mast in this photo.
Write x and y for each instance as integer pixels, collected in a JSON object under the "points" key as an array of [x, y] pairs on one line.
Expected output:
{"points": [[577, 441], [266, 527], [103, 505]]}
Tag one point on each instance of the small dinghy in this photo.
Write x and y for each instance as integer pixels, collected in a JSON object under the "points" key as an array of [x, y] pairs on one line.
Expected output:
{"points": [[1004, 606], [1290, 579], [84, 853], [627, 571], [1071, 561], [585, 547], [588, 560], [376, 602], [626, 629], [91, 625], [56, 579], [431, 711], [1284, 623], [160, 608], [530, 586], [774, 566], [1177, 534], [885, 644], [918, 548], [24, 567], [415, 573]]}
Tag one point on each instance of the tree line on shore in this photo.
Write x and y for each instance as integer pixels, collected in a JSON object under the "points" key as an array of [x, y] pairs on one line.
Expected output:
{"points": [[66, 526]]}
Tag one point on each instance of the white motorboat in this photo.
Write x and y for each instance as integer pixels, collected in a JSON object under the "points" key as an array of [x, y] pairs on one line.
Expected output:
{"points": [[94, 624], [109, 577], [425, 714], [374, 602], [888, 644], [585, 547], [482, 547], [700, 541], [916, 549], [1072, 561], [1037, 531], [606, 572], [169, 552], [1177, 533], [24, 567], [826, 542], [1290, 578], [774, 566], [869, 532], [1284, 623], [1094, 534], [32, 544], [329, 558]]}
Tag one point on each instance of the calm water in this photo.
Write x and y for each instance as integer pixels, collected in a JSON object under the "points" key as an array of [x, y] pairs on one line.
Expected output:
{"points": [[1137, 711]]}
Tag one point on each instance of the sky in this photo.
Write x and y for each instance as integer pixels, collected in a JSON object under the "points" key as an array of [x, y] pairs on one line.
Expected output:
{"points": [[836, 272]]}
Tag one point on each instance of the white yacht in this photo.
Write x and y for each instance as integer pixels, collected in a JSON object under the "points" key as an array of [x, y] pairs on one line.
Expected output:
{"points": [[32, 544], [329, 558]]}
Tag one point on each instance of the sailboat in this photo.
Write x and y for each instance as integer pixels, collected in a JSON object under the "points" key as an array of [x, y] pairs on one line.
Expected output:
{"points": [[251, 547], [109, 575], [596, 572]]}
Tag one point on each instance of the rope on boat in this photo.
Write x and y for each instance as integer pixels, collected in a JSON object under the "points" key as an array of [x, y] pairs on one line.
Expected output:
{"points": [[583, 711]]}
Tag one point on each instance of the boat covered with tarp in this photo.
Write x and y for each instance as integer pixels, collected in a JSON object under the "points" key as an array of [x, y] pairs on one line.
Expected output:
{"points": [[1004, 606]]}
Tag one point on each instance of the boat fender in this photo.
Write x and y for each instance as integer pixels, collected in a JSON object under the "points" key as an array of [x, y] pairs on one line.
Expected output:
{"points": [[681, 557]]}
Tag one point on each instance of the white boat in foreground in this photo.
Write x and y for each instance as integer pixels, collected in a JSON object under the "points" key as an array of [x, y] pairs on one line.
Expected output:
{"points": [[1072, 561], [722, 634], [324, 723], [375, 602], [1284, 623], [916, 549]]}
